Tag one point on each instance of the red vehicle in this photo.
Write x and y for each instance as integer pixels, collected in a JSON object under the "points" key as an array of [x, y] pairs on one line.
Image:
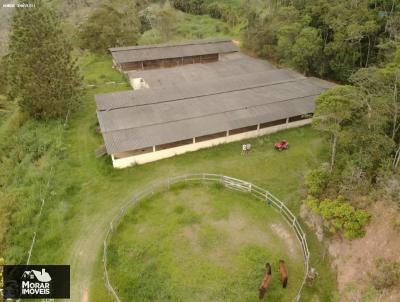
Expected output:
{"points": [[281, 145]]}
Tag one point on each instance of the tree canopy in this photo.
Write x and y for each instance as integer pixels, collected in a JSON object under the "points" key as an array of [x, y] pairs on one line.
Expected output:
{"points": [[42, 76], [112, 24], [330, 38], [363, 121]]}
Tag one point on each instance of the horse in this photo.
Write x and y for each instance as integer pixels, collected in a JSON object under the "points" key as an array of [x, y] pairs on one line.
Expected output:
{"points": [[284, 273], [265, 282]]}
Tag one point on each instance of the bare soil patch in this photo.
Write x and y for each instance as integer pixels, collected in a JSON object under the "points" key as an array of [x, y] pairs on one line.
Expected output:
{"points": [[354, 260], [289, 239], [240, 230]]}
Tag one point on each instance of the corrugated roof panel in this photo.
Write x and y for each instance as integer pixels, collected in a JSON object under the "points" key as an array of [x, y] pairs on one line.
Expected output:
{"points": [[199, 72], [206, 87], [191, 108], [157, 52], [193, 42], [204, 105]]}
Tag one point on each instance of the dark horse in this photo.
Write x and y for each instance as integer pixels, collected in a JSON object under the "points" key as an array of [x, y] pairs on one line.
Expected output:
{"points": [[265, 282], [284, 273]]}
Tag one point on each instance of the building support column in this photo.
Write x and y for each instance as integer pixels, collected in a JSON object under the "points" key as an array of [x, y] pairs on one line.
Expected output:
{"points": [[154, 148], [258, 129], [287, 122], [227, 133], [194, 140]]}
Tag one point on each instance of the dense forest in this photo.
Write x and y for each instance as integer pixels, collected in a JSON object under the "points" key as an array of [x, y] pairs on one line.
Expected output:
{"points": [[324, 37], [355, 44]]}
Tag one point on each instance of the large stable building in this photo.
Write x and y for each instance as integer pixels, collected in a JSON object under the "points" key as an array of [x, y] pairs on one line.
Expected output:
{"points": [[169, 55], [187, 108]]}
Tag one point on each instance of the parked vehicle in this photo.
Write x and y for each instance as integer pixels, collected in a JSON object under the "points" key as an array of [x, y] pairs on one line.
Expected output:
{"points": [[281, 145]]}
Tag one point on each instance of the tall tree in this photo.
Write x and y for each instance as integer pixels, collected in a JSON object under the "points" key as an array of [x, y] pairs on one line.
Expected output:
{"points": [[334, 110], [379, 91], [306, 49], [43, 77]]}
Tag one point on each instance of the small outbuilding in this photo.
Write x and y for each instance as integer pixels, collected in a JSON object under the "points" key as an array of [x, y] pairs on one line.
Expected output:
{"points": [[169, 55]]}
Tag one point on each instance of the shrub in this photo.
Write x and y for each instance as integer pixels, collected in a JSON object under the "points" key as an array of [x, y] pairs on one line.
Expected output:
{"points": [[230, 13], [109, 25], [316, 181], [3, 75], [340, 215], [388, 274]]}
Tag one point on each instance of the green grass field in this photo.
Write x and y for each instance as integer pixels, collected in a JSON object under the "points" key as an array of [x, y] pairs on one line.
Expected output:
{"points": [[202, 243], [57, 163]]}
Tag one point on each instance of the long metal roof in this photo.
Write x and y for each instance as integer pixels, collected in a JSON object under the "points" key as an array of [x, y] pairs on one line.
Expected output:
{"points": [[167, 51], [136, 119], [198, 72]]}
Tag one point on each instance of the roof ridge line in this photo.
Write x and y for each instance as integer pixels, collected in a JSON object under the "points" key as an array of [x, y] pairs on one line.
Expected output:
{"points": [[149, 46], [209, 94], [211, 114]]}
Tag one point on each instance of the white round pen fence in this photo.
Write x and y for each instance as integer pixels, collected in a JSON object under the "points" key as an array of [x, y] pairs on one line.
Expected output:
{"points": [[229, 182]]}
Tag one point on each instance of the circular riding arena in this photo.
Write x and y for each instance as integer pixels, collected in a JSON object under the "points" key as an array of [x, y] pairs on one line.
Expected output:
{"points": [[203, 237]]}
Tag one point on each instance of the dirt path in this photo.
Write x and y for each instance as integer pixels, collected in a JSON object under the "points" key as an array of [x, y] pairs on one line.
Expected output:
{"points": [[85, 252]]}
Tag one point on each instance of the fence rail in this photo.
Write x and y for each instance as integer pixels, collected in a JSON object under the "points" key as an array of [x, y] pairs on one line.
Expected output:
{"points": [[229, 182]]}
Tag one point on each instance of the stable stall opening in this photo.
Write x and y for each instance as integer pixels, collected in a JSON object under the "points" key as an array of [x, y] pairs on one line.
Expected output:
{"points": [[207, 137], [242, 130], [299, 117], [174, 144], [133, 152], [273, 123]]}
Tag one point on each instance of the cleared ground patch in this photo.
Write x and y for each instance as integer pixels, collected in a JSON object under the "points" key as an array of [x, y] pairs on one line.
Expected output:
{"points": [[202, 243]]}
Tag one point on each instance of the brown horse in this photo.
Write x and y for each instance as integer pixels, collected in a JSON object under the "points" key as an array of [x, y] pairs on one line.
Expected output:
{"points": [[265, 282], [284, 273]]}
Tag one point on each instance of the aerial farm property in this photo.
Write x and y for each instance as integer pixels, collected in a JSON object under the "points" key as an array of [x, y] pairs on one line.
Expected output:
{"points": [[200, 150]]}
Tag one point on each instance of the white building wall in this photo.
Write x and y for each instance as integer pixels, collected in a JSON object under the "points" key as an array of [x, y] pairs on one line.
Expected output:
{"points": [[138, 83], [154, 156]]}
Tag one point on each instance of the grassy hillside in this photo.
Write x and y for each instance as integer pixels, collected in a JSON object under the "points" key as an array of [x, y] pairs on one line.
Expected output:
{"points": [[55, 163], [31, 151]]}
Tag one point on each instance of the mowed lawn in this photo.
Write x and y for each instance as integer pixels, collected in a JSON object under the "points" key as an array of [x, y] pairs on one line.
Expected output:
{"points": [[87, 192], [202, 243]]}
